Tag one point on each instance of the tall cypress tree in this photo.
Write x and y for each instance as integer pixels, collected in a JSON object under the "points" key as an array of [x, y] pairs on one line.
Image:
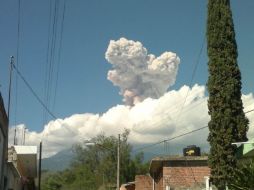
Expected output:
{"points": [[228, 122]]}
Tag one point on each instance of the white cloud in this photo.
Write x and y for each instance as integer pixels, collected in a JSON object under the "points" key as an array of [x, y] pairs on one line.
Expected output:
{"points": [[138, 74], [149, 121]]}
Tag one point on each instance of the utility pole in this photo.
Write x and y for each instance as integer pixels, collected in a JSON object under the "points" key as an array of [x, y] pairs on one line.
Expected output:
{"points": [[15, 131], [118, 163], [9, 95], [24, 138], [39, 175]]}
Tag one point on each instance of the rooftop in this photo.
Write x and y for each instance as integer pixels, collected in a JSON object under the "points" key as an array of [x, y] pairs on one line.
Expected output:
{"points": [[26, 149], [180, 158], [176, 161], [27, 159]]}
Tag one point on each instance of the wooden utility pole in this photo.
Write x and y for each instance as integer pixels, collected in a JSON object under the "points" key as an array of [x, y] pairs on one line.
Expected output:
{"points": [[39, 175], [15, 131], [9, 94], [118, 163], [24, 135]]}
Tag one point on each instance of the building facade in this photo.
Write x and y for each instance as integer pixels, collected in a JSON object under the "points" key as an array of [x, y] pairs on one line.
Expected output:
{"points": [[175, 173], [3, 144], [22, 167]]}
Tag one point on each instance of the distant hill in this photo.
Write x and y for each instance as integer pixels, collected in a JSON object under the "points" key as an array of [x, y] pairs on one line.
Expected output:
{"points": [[62, 160], [58, 162]]}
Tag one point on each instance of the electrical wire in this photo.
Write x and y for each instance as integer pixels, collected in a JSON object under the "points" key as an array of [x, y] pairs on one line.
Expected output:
{"points": [[51, 58], [39, 99], [17, 61], [52, 53], [192, 78], [249, 111], [47, 63], [34, 93], [59, 53], [170, 139]]}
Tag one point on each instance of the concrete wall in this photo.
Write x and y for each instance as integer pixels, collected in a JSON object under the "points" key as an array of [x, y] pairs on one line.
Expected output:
{"points": [[14, 181], [1, 154]]}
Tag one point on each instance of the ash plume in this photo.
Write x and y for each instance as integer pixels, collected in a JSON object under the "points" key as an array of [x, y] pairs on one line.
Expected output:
{"points": [[138, 74]]}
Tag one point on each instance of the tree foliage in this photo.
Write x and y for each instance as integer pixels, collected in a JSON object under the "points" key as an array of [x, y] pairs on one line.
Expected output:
{"points": [[228, 122], [94, 166], [244, 177]]}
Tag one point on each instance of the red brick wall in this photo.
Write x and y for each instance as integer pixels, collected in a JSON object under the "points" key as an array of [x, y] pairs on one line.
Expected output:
{"points": [[143, 182], [184, 176]]}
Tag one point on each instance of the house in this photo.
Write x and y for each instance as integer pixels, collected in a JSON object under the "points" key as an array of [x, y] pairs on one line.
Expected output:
{"points": [[22, 167], [179, 172], [246, 150], [14, 177], [3, 144], [190, 171]]}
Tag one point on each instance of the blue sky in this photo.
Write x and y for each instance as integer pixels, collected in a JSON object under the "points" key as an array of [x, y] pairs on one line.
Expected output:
{"points": [[173, 25]]}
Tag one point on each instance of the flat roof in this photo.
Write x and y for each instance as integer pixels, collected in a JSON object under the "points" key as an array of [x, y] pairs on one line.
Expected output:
{"points": [[158, 162], [27, 158], [26, 149], [180, 158]]}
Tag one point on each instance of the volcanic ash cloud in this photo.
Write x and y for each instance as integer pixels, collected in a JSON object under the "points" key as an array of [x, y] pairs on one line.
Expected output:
{"points": [[138, 74]]}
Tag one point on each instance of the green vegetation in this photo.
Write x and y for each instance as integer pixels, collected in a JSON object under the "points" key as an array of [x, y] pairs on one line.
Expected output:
{"points": [[244, 177], [228, 122], [94, 166]]}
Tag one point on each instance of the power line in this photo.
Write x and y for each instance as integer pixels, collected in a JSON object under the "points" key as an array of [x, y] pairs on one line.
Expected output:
{"points": [[47, 64], [249, 111], [17, 61], [34, 93], [170, 139], [51, 57], [52, 53], [54, 50], [192, 78], [39, 100], [59, 53], [178, 136]]}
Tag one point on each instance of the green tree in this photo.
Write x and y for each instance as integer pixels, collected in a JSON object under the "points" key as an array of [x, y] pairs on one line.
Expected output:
{"points": [[228, 122], [52, 182], [244, 177], [102, 159], [94, 167]]}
